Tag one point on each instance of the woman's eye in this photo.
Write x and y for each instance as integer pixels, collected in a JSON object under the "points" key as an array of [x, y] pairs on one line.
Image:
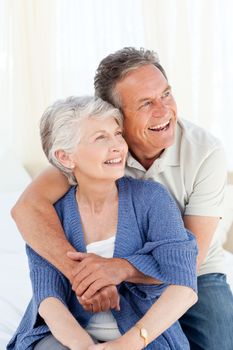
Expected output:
{"points": [[119, 133], [100, 137]]}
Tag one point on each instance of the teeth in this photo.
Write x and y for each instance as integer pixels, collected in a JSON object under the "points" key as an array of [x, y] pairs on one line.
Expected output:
{"points": [[158, 127], [113, 161]]}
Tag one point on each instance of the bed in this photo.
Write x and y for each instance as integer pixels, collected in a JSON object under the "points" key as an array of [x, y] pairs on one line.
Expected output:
{"points": [[15, 289]]}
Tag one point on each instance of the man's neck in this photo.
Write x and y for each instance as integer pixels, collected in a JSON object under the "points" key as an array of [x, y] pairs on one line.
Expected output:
{"points": [[146, 162]]}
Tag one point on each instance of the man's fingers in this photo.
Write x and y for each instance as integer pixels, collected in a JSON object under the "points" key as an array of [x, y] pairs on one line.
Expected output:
{"points": [[83, 280], [104, 300], [113, 297], [79, 267], [96, 347], [108, 298], [87, 283], [88, 307], [100, 302], [83, 272], [94, 286], [96, 307], [85, 260], [115, 302]]}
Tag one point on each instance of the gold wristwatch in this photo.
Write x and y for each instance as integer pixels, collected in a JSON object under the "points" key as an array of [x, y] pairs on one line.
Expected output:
{"points": [[143, 333]]}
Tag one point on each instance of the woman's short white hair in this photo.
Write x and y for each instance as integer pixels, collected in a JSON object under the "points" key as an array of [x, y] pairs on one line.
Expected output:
{"points": [[61, 123]]}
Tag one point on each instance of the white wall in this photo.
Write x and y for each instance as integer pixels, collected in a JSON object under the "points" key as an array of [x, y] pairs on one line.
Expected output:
{"points": [[50, 49]]}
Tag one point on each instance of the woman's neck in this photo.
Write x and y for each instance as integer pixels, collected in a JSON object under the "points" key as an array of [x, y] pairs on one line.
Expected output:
{"points": [[95, 196]]}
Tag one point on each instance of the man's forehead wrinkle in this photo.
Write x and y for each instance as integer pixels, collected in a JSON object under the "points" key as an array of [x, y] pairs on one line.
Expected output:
{"points": [[152, 96]]}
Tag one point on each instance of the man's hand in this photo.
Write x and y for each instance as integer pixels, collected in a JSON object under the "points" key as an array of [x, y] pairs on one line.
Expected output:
{"points": [[104, 300], [93, 273]]}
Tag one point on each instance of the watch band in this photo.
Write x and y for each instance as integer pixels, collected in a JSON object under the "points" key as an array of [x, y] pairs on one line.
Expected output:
{"points": [[143, 333]]}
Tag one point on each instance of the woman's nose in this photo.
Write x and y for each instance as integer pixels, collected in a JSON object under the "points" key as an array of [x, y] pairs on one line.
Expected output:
{"points": [[115, 147], [117, 144]]}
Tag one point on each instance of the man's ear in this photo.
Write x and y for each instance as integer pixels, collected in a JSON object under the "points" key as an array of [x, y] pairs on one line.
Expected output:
{"points": [[64, 158]]}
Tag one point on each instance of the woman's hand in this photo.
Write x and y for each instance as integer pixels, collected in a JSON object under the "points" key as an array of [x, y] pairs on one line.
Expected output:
{"points": [[122, 343], [81, 345], [111, 345], [107, 298]]}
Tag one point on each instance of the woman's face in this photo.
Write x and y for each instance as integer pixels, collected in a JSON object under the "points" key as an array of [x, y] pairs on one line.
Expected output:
{"points": [[101, 152]]}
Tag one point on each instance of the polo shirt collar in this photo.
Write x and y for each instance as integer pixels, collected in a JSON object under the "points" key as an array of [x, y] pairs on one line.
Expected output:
{"points": [[169, 157]]}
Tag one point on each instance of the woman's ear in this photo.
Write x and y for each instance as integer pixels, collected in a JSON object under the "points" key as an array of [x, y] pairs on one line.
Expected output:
{"points": [[65, 159]]}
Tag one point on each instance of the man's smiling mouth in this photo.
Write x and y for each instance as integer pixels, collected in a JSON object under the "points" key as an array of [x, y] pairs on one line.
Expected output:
{"points": [[160, 127]]}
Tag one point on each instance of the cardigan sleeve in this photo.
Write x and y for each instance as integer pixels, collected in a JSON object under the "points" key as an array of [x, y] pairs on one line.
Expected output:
{"points": [[170, 251], [46, 280]]}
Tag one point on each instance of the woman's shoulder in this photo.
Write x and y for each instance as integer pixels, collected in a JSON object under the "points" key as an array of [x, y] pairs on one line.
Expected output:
{"points": [[142, 185], [141, 189], [66, 201]]}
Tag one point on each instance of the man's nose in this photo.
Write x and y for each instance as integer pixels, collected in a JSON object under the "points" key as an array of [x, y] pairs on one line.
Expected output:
{"points": [[159, 108]]}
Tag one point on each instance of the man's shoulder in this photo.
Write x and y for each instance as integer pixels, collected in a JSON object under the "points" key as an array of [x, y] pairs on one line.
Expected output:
{"points": [[195, 136]]}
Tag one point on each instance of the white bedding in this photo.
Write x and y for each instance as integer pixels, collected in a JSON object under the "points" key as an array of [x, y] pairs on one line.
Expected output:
{"points": [[15, 290]]}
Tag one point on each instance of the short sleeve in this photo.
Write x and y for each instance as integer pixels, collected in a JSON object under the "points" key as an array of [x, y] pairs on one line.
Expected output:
{"points": [[207, 197]]}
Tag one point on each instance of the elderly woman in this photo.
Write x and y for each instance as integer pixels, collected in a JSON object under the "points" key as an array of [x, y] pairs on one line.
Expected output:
{"points": [[112, 216]]}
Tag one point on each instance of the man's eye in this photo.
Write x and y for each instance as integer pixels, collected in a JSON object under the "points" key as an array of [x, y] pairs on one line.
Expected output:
{"points": [[146, 104], [119, 133], [166, 94]]}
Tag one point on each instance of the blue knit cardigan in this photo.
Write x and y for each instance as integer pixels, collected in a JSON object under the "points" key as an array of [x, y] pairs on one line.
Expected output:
{"points": [[150, 235]]}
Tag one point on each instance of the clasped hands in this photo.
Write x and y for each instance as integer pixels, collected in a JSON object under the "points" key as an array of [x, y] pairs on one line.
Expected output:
{"points": [[94, 280]]}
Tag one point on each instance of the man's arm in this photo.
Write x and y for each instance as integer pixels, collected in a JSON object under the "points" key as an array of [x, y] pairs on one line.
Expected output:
{"points": [[40, 227], [203, 227], [95, 272], [206, 202], [38, 222]]}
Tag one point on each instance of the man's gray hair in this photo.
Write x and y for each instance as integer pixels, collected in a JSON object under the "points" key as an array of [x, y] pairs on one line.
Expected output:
{"points": [[60, 126], [115, 66]]}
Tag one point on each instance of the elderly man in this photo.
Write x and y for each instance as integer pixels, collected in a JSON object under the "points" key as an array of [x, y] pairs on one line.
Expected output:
{"points": [[181, 156]]}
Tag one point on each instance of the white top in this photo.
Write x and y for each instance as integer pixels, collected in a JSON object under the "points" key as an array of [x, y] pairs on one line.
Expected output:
{"points": [[193, 169], [102, 325]]}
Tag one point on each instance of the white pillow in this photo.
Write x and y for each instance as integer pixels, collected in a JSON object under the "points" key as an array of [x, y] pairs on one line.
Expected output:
{"points": [[15, 289], [15, 293], [11, 239]]}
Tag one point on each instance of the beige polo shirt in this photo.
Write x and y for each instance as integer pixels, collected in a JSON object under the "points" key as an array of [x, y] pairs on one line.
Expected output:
{"points": [[193, 169]]}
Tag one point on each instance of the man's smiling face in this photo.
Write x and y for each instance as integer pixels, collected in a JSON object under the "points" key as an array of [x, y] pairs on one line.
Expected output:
{"points": [[150, 113]]}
